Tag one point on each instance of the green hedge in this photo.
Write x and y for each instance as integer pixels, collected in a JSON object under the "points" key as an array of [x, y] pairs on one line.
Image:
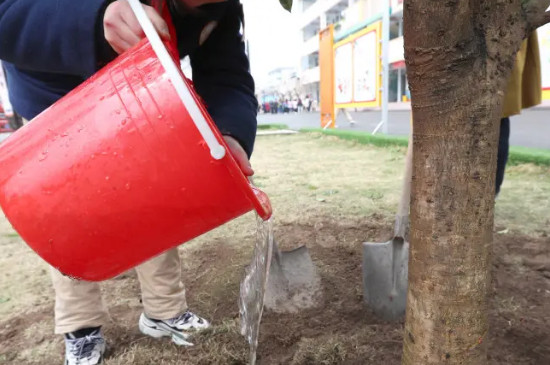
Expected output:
{"points": [[517, 156], [362, 137], [537, 156], [273, 126]]}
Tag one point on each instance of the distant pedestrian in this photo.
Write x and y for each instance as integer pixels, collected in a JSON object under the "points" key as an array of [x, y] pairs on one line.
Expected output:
{"points": [[294, 105], [286, 106], [307, 103], [314, 105]]}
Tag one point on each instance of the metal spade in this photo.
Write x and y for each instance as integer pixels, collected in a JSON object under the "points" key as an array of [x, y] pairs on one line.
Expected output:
{"points": [[385, 265]]}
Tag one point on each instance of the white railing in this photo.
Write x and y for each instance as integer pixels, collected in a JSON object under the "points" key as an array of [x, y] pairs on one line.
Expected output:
{"points": [[315, 11]]}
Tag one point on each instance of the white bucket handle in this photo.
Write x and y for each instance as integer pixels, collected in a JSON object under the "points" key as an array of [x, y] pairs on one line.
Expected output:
{"points": [[217, 151]]}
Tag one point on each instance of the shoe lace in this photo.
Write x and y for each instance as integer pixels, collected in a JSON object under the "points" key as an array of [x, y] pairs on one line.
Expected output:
{"points": [[184, 318], [84, 346]]}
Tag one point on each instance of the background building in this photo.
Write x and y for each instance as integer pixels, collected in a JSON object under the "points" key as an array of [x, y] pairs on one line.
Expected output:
{"points": [[309, 17], [315, 15]]}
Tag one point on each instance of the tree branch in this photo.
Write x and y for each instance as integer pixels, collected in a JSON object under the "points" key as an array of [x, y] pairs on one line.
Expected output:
{"points": [[541, 20], [536, 12]]}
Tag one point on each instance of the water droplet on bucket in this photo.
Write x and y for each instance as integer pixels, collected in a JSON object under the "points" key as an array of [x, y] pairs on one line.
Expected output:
{"points": [[107, 178], [159, 116], [102, 97], [127, 186], [124, 121], [115, 154], [44, 156], [92, 156], [50, 241]]}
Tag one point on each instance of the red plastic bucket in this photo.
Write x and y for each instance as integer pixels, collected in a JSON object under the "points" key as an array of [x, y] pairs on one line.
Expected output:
{"points": [[119, 170]]}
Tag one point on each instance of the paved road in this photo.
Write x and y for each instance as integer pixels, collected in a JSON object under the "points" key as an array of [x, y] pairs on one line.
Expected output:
{"points": [[530, 129]]}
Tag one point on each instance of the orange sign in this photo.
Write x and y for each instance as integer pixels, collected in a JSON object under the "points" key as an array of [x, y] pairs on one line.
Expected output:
{"points": [[326, 65], [358, 69]]}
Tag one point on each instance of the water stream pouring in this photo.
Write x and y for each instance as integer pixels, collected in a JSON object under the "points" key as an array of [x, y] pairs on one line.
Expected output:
{"points": [[126, 166]]}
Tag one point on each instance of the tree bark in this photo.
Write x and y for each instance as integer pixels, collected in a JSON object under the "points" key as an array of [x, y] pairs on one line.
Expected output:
{"points": [[459, 55]]}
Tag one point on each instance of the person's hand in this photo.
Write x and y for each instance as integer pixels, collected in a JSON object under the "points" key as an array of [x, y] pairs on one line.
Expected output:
{"points": [[122, 29], [239, 155]]}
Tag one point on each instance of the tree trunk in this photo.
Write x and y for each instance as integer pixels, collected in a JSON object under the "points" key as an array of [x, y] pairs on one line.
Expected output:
{"points": [[459, 55]]}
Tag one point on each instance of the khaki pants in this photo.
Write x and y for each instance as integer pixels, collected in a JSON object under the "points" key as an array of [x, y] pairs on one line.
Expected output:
{"points": [[78, 304]]}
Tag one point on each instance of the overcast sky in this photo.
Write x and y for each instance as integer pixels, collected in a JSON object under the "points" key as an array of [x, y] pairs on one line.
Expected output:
{"points": [[272, 35]]}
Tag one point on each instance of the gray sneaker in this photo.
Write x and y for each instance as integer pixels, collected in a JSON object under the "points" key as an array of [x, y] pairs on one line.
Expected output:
{"points": [[180, 328], [87, 350]]}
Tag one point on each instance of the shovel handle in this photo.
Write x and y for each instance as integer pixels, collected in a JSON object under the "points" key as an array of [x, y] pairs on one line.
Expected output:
{"points": [[402, 218], [405, 201]]}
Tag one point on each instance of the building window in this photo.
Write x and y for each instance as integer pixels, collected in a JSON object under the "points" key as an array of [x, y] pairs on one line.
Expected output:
{"points": [[311, 30], [310, 61], [395, 28], [398, 84], [314, 60]]}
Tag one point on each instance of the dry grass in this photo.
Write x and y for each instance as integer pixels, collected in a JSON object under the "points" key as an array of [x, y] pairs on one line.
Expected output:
{"points": [[321, 351], [524, 202], [335, 349], [23, 275], [306, 177], [221, 344]]}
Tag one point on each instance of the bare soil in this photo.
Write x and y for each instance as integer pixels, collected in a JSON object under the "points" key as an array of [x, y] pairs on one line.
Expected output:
{"points": [[340, 331]]}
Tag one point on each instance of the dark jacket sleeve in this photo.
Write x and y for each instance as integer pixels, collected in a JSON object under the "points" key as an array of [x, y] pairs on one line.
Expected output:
{"points": [[57, 36], [222, 78]]}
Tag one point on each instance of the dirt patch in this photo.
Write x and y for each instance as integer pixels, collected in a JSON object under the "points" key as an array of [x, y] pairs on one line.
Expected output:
{"points": [[341, 331], [27, 330], [520, 321]]}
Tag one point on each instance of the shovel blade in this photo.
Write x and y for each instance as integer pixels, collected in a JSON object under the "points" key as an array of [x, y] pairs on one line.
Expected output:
{"points": [[385, 282], [293, 283]]}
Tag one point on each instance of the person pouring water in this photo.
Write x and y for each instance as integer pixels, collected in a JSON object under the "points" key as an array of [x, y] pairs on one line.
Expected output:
{"points": [[51, 46]]}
